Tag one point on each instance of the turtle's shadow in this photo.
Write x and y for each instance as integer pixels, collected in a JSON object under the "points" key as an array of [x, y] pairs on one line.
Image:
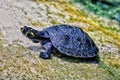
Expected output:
{"points": [[94, 60], [35, 48], [64, 57]]}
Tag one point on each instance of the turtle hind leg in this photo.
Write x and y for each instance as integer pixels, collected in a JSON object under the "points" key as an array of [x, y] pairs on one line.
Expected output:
{"points": [[46, 53]]}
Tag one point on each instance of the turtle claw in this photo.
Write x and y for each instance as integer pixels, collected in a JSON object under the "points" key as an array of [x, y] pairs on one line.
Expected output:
{"points": [[44, 55]]}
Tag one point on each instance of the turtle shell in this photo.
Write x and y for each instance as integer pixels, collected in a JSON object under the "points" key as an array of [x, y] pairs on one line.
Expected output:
{"points": [[72, 41]]}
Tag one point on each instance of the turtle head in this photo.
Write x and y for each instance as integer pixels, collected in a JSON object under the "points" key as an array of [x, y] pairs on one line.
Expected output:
{"points": [[30, 33]]}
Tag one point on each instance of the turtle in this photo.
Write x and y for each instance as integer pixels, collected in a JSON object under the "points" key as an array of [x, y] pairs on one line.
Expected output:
{"points": [[67, 39]]}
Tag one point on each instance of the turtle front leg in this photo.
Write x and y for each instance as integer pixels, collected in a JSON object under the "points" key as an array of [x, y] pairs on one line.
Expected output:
{"points": [[46, 54]]}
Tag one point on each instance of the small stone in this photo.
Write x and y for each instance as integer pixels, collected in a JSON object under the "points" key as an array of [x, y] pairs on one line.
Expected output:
{"points": [[5, 45]]}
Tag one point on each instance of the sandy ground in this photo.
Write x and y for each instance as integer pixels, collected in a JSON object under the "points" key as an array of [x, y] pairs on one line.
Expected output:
{"points": [[13, 18]]}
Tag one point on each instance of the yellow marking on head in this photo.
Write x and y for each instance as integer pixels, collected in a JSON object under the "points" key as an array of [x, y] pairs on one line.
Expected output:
{"points": [[26, 33], [32, 34]]}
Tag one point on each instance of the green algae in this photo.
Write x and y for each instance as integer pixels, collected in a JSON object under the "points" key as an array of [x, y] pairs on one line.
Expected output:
{"points": [[104, 10], [114, 72]]}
